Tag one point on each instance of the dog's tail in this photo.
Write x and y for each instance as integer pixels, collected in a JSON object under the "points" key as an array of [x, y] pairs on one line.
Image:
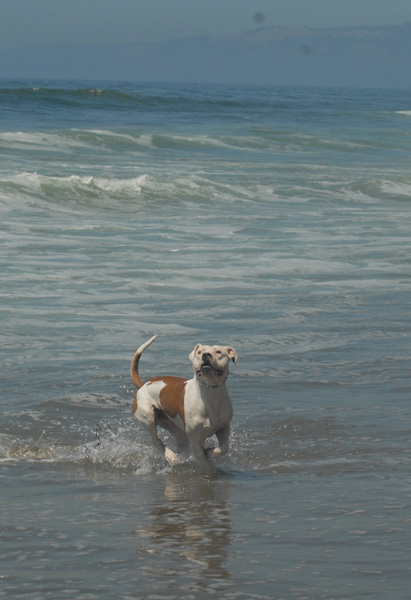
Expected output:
{"points": [[134, 363]]}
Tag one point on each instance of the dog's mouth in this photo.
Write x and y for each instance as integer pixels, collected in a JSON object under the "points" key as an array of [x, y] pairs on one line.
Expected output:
{"points": [[205, 369]]}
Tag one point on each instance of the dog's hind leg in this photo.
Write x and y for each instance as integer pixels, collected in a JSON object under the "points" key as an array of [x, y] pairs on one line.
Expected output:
{"points": [[178, 434], [168, 454]]}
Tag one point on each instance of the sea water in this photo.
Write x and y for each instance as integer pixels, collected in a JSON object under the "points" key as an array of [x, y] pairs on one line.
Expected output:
{"points": [[275, 220]]}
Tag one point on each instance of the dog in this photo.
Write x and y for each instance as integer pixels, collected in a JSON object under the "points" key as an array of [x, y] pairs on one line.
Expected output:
{"points": [[191, 410]]}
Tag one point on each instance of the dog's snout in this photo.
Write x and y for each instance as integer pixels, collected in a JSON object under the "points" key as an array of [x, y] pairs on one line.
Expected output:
{"points": [[206, 357]]}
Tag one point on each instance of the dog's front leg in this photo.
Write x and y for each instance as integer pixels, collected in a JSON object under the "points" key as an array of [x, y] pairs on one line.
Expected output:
{"points": [[223, 436], [199, 452]]}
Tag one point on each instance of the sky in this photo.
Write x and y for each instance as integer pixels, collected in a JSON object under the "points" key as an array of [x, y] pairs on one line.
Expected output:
{"points": [[42, 22]]}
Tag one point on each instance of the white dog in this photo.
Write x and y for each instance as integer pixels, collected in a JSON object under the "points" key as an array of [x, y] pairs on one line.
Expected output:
{"points": [[191, 410]]}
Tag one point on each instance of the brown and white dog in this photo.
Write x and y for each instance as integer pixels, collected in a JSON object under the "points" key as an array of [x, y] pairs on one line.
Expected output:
{"points": [[191, 410]]}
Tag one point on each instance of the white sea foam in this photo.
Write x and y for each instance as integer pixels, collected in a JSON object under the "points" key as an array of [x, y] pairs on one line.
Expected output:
{"points": [[139, 139], [89, 189], [397, 188], [48, 186]]}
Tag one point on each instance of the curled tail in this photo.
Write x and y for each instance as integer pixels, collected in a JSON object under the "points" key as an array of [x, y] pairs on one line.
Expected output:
{"points": [[134, 363]]}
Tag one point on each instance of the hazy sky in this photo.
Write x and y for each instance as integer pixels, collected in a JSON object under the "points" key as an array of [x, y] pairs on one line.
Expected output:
{"points": [[33, 22]]}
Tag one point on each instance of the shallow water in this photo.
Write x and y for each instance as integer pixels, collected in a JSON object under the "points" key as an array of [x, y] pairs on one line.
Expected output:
{"points": [[276, 220]]}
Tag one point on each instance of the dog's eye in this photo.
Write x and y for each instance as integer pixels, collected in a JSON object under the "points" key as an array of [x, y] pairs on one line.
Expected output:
{"points": [[199, 352], [218, 352]]}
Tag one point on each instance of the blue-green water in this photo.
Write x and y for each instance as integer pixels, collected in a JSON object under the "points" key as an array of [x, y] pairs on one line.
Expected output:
{"points": [[276, 220]]}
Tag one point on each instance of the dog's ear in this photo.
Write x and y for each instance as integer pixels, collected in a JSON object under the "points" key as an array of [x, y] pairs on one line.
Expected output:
{"points": [[232, 354], [191, 357]]}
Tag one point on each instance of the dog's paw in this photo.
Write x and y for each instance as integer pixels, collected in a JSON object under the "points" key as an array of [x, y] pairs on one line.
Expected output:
{"points": [[216, 452], [170, 456], [212, 452]]}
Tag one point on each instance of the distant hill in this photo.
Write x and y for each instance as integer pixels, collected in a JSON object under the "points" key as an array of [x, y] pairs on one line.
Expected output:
{"points": [[358, 57]]}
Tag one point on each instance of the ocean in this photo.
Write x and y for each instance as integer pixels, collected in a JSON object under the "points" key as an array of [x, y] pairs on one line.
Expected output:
{"points": [[273, 219]]}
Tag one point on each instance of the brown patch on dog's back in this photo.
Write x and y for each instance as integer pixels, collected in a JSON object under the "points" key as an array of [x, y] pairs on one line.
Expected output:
{"points": [[172, 395]]}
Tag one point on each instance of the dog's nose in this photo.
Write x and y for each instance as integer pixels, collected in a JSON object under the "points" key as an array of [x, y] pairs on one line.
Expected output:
{"points": [[206, 357]]}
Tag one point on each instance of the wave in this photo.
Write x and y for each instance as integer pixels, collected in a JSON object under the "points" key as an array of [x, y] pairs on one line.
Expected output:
{"points": [[119, 143], [142, 97], [397, 187], [76, 191], [67, 141], [68, 96], [72, 192], [235, 103], [73, 140]]}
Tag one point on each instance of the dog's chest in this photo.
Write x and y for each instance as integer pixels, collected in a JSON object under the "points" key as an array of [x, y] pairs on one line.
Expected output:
{"points": [[207, 409]]}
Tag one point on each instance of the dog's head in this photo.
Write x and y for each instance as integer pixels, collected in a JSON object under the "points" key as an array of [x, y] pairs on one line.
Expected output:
{"points": [[210, 363]]}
